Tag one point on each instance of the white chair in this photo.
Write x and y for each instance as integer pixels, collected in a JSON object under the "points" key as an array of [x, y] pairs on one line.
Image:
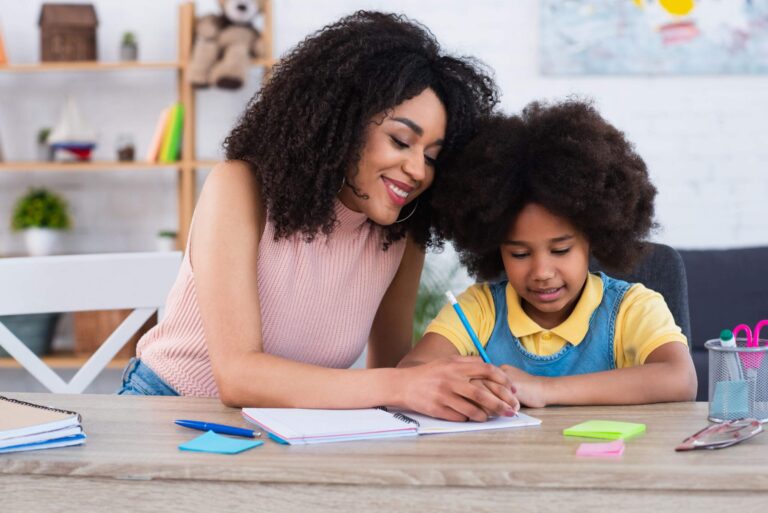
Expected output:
{"points": [[74, 283]]}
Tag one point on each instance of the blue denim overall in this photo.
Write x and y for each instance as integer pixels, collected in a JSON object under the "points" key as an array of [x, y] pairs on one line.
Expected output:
{"points": [[595, 353]]}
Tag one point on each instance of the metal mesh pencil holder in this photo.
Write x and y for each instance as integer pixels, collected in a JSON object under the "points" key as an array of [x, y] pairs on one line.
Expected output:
{"points": [[738, 380]]}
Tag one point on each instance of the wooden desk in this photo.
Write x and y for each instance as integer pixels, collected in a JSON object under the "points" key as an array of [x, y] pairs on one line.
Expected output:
{"points": [[131, 463]]}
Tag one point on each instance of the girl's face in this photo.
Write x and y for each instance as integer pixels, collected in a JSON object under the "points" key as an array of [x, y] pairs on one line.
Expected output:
{"points": [[546, 260], [398, 159]]}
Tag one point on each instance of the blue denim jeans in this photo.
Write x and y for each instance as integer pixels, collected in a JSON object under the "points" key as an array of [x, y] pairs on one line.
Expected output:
{"points": [[139, 379]]}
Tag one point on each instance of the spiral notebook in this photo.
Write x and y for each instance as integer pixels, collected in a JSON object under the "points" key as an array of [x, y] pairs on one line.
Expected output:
{"points": [[28, 426], [296, 426]]}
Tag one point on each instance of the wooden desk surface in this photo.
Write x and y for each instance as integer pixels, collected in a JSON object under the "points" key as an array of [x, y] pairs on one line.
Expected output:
{"points": [[132, 461]]}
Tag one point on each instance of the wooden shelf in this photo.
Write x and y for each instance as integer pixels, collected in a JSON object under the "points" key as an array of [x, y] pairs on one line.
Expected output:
{"points": [[63, 361], [203, 164], [106, 165], [43, 67], [186, 193]]}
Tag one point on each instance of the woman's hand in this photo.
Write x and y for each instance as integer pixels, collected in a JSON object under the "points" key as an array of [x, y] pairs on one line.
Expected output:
{"points": [[530, 389], [445, 389]]}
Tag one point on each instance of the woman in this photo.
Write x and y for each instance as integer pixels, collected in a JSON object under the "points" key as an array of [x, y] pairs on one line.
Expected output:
{"points": [[308, 242]]}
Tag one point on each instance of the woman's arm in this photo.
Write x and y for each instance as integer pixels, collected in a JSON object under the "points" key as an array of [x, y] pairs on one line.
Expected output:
{"points": [[434, 347], [667, 375], [224, 247], [392, 330]]}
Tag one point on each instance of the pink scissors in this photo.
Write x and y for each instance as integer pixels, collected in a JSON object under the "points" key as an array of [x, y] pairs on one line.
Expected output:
{"points": [[751, 360]]}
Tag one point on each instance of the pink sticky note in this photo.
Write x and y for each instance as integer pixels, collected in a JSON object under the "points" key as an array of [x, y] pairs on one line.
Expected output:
{"points": [[601, 450]]}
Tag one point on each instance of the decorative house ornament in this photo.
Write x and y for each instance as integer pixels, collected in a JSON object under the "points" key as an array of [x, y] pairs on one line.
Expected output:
{"points": [[68, 32]]}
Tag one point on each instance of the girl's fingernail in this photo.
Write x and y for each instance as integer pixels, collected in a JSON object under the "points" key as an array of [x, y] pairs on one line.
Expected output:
{"points": [[510, 413]]}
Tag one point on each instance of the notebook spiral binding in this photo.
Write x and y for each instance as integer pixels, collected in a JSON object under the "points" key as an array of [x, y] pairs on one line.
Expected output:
{"points": [[42, 407], [400, 416], [406, 418]]}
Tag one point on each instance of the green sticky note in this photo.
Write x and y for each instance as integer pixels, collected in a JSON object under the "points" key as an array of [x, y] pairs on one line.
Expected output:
{"points": [[211, 442], [607, 429]]}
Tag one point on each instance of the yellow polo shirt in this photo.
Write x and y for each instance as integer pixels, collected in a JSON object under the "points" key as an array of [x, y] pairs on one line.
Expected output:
{"points": [[643, 322]]}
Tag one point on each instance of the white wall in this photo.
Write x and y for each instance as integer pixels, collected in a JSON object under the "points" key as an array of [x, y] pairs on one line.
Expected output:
{"points": [[705, 139]]}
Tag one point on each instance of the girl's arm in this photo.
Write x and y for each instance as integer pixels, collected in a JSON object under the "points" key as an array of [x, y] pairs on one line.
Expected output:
{"points": [[229, 219], [667, 375]]}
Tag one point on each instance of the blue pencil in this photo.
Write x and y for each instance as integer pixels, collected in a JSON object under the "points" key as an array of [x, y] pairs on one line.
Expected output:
{"points": [[468, 327]]}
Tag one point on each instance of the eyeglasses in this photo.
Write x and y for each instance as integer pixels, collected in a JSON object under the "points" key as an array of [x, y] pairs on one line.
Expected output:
{"points": [[720, 436]]}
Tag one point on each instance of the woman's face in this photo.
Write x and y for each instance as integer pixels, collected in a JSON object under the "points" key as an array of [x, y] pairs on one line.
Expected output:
{"points": [[398, 159]]}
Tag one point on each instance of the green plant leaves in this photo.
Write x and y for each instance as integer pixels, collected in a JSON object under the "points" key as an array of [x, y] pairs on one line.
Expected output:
{"points": [[41, 208]]}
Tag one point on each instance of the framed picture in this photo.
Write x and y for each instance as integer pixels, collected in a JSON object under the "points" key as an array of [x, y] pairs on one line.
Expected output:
{"points": [[625, 37]]}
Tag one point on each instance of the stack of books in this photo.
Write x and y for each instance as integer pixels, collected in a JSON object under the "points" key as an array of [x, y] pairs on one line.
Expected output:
{"points": [[166, 141], [27, 427]]}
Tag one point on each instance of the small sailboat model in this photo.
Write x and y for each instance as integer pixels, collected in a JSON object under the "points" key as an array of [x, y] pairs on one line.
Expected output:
{"points": [[72, 138]]}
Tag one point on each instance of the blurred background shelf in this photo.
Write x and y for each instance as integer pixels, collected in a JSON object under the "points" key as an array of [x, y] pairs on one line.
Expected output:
{"points": [[44, 67], [22, 166]]}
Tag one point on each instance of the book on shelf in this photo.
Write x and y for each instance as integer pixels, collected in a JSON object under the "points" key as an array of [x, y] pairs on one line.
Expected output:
{"points": [[171, 146], [28, 426], [153, 152], [3, 56]]}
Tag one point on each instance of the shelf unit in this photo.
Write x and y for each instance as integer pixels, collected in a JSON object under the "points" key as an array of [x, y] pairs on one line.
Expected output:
{"points": [[187, 163], [63, 361]]}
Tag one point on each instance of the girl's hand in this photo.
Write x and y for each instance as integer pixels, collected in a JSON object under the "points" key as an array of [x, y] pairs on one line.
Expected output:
{"points": [[531, 390], [507, 394], [444, 389]]}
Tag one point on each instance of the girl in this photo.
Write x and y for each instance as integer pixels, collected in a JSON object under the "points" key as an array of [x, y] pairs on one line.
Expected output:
{"points": [[308, 242], [543, 192]]}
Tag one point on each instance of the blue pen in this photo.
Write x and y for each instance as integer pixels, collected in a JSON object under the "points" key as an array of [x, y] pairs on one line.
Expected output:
{"points": [[468, 327], [218, 428]]}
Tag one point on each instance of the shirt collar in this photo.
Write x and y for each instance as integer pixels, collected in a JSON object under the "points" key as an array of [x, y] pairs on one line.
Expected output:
{"points": [[573, 329]]}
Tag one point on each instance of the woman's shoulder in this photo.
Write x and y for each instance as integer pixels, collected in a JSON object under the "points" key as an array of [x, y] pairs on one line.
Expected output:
{"points": [[232, 185], [230, 208], [231, 175]]}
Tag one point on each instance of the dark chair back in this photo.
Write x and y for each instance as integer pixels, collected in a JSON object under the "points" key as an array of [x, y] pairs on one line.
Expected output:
{"points": [[662, 270], [727, 287]]}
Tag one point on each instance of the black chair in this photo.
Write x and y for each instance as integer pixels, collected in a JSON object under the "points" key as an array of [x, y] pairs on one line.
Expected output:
{"points": [[727, 287], [662, 269]]}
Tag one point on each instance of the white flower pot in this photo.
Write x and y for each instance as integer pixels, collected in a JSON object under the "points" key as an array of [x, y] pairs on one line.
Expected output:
{"points": [[42, 241], [165, 243]]}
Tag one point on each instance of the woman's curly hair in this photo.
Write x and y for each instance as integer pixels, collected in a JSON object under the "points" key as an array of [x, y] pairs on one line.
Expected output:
{"points": [[564, 157], [306, 127]]}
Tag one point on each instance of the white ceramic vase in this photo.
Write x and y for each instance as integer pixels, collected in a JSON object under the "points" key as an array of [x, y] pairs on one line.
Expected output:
{"points": [[165, 243], [42, 241]]}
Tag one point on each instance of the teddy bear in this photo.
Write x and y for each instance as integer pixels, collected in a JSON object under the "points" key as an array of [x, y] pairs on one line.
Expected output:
{"points": [[225, 44]]}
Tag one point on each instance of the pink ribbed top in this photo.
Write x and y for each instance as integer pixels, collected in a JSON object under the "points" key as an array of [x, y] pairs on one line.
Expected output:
{"points": [[318, 301]]}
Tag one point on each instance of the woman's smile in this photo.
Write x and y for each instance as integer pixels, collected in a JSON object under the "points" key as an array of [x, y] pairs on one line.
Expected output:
{"points": [[398, 191]]}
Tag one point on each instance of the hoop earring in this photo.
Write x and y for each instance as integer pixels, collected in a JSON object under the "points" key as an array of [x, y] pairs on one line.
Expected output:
{"points": [[343, 183], [415, 206]]}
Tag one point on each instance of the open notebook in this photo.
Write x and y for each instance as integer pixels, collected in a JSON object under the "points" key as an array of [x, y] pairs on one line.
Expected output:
{"points": [[297, 426]]}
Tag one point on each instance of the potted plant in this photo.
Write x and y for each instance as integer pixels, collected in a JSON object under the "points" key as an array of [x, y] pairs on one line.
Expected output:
{"points": [[129, 48], [42, 215], [166, 240], [44, 152]]}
